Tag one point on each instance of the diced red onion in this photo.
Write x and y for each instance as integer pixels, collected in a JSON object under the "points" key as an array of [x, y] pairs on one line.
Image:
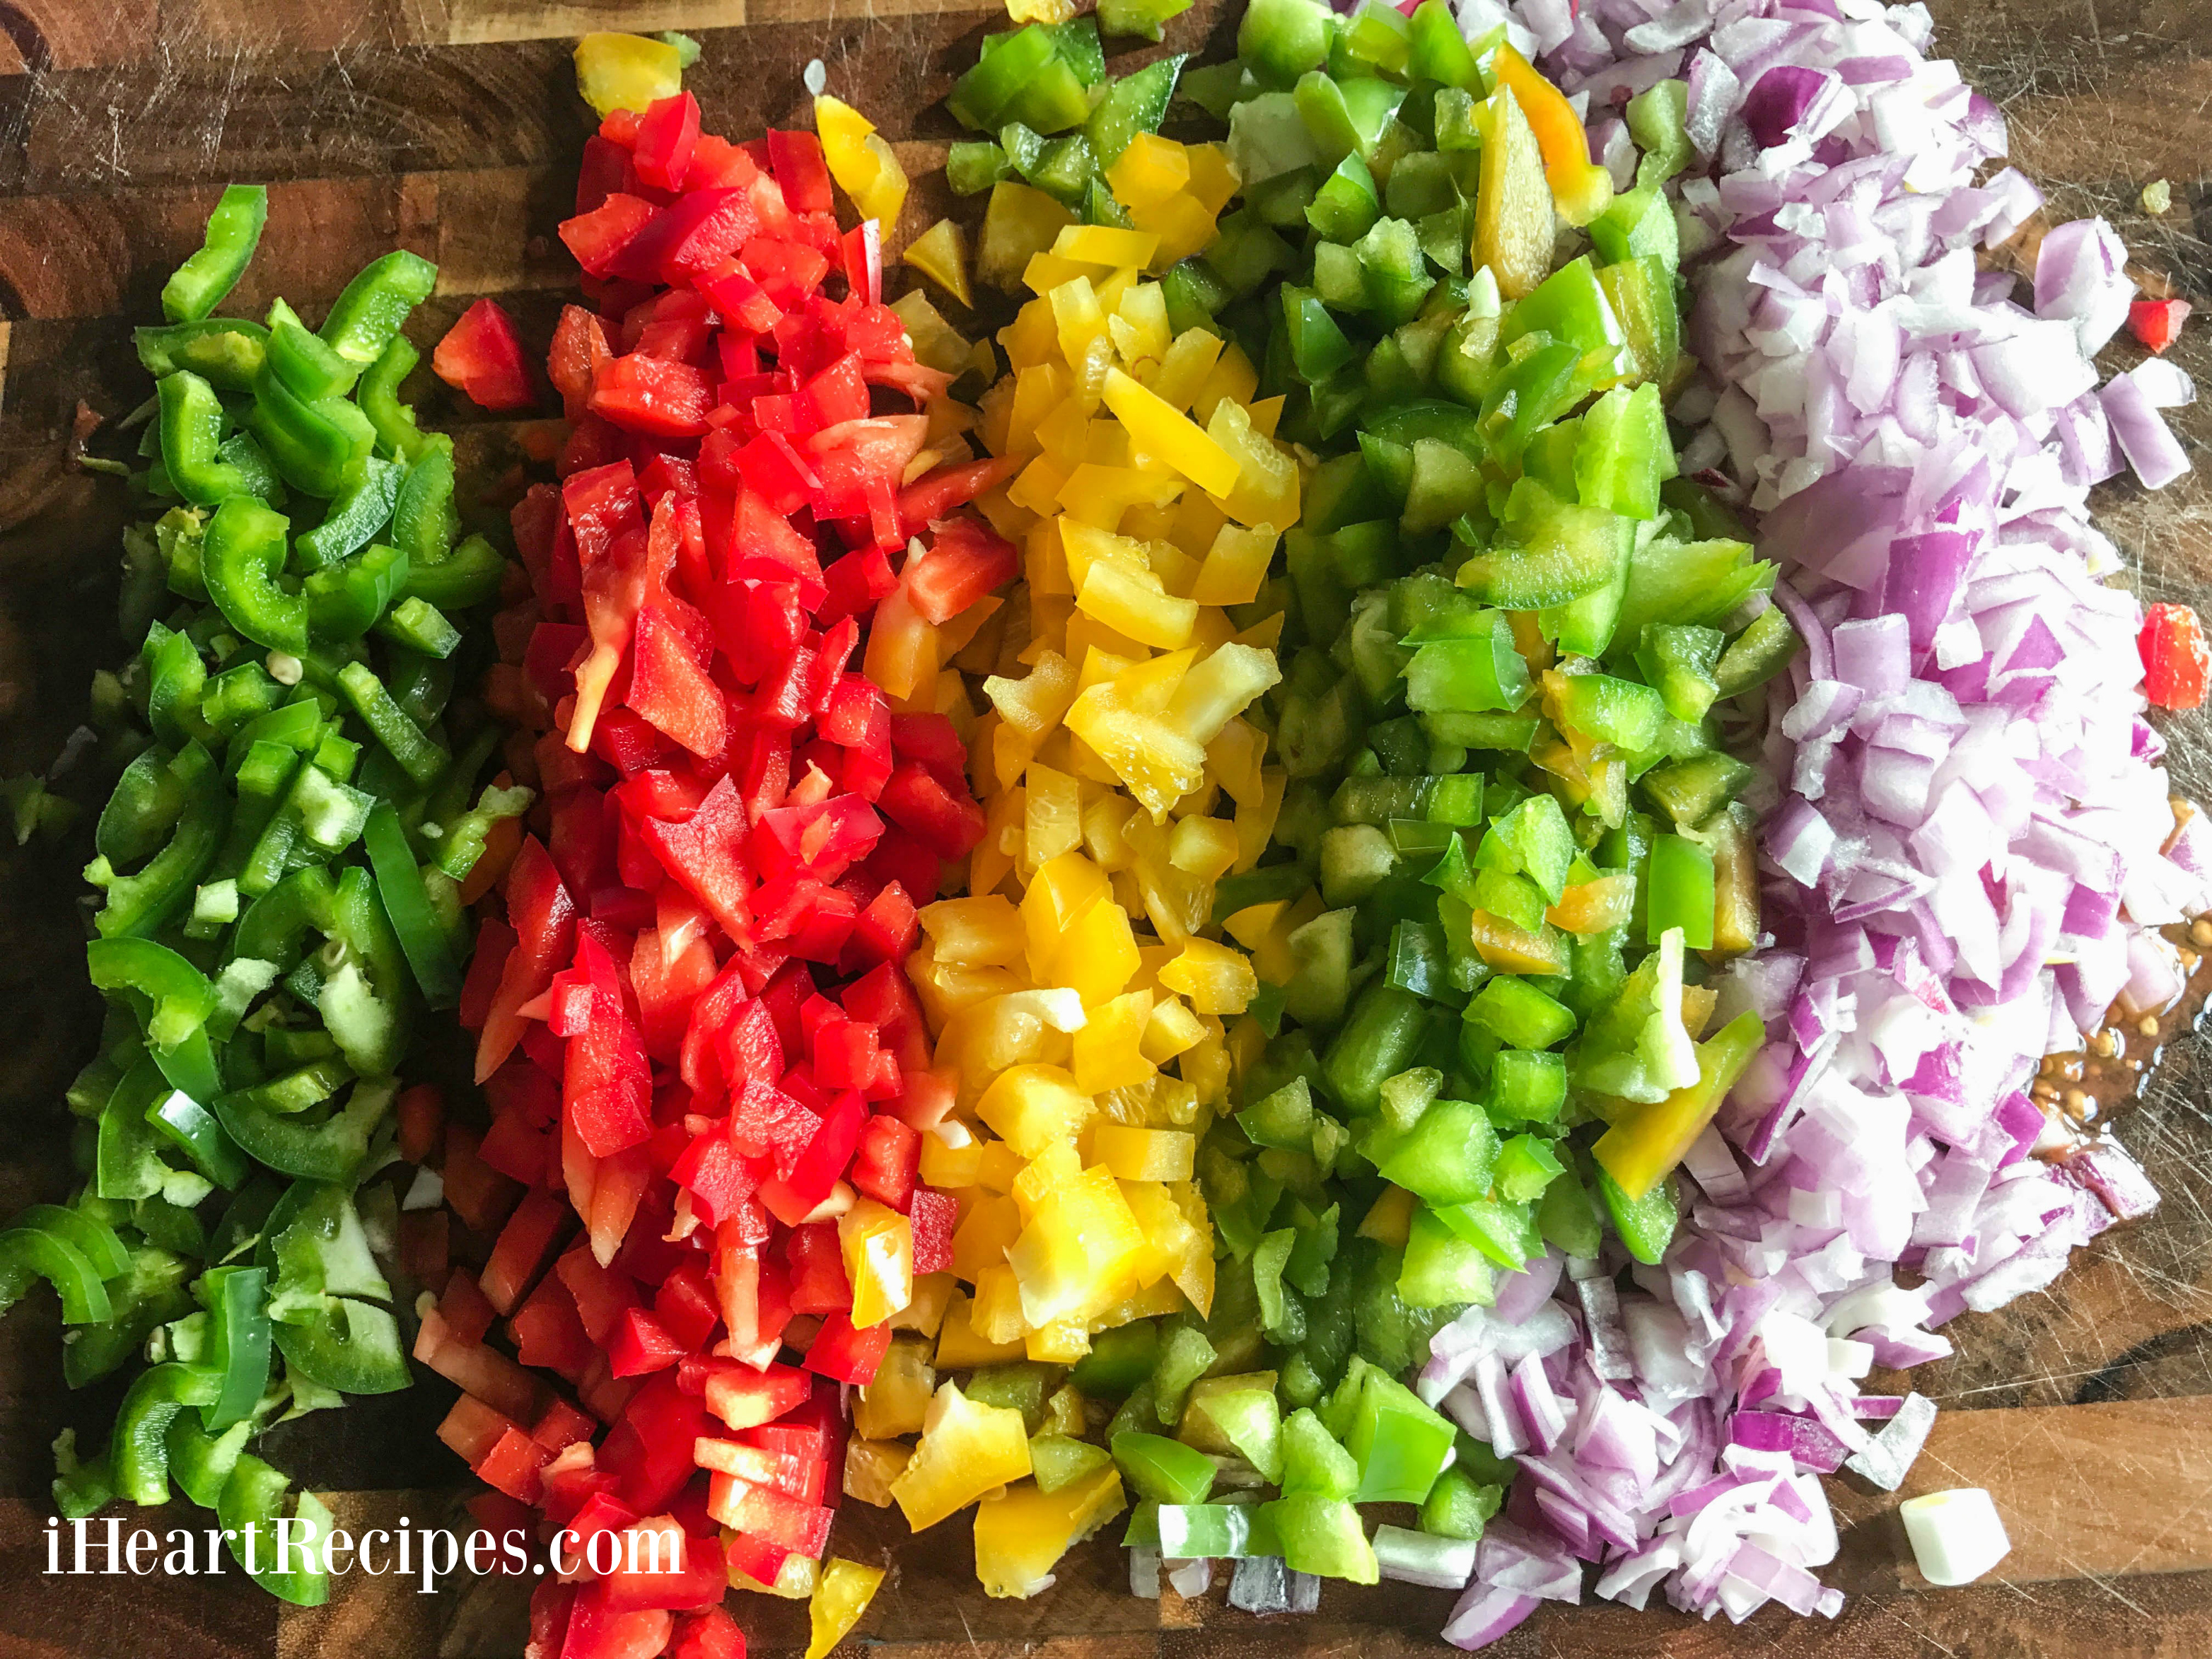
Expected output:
{"points": [[1485, 1613], [1421, 1557]]}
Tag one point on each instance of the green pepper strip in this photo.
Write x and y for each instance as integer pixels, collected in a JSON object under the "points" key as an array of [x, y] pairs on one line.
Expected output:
{"points": [[193, 1127], [377, 395], [192, 433], [367, 317], [95, 1240], [331, 1150], [354, 518], [345, 600], [176, 686], [145, 802], [139, 903], [303, 361], [419, 757], [364, 1000], [242, 556], [399, 885], [349, 1346], [201, 1462], [127, 1150], [470, 576], [424, 519], [271, 927], [465, 835], [233, 231], [238, 1300], [181, 995], [248, 1509], [25, 1251], [140, 1448], [225, 351], [319, 446], [82, 1486]]}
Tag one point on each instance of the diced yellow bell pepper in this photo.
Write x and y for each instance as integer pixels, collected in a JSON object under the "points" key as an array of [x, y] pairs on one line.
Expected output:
{"points": [[1053, 1165], [1184, 368], [1641, 1148], [1513, 950], [1214, 176], [977, 933], [1019, 223], [1104, 245], [940, 253], [1236, 565], [1593, 906], [1135, 603], [967, 1450], [924, 1312], [1030, 1107], [1160, 429], [1098, 954], [1159, 764], [1079, 1244], [1105, 822], [1052, 815], [1021, 1534], [1216, 979], [1267, 489], [626, 71], [1389, 1219], [1099, 494], [1063, 1342], [980, 1241], [1181, 227], [1232, 377], [998, 1315], [960, 1347], [1133, 1154], [894, 1402], [1172, 1029], [878, 1244], [859, 160], [1064, 1413], [1109, 1052], [1149, 169], [1037, 701], [1040, 11], [871, 1466], [1178, 1237], [1256, 819], [839, 1600], [1139, 326]]}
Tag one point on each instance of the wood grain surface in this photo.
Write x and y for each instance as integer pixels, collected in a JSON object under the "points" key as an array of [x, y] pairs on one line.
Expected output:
{"points": [[450, 127]]}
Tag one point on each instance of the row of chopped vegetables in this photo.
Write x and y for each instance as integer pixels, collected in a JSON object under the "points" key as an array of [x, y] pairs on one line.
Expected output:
{"points": [[1285, 646]]}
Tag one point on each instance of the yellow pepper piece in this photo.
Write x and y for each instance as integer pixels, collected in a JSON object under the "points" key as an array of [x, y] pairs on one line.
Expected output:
{"points": [[1040, 11], [1204, 848], [1104, 245], [871, 1466], [1216, 979], [1188, 361], [1133, 1154], [1181, 227], [940, 253], [1077, 1245], [980, 1242], [1149, 170], [1389, 1219], [1030, 1107], [1021, 1534], [1591, 907], [967, 1448], [859, 160], [839, 1600], [997, 1315], [925, 1311], [1640, 1148], [895, 1402], [1160, 430], [980, 933], [1580, 186], [959, 1345], [1109, 1052], [1135, 602], [1172, 1029], [1235, 566], [1061, 1343], [1214, 176], [1266, 487], [1232, 377], [1018, 223], [878, 1244], [794, 1580], [626, 71], [1513, 950]]}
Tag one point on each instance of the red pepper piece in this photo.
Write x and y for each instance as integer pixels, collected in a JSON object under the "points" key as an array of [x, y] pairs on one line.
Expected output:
{"points": [[667, 133], [641, 1344], [2157, 323], [598, 1630], [949, 825], [796, 160], [561, 1425], [2176, 663], [549, 1333], [601, 1294], [649, 1451], [763, 1512], [605, 1089], [756, 1558], [744, 1398], [599, 238], [846, 1355], [670, 686], [472, 1429], [543, 917], [481, 357], [932, 1216], [705, 854], [888, 1163], [708, 1634], [511, 1465], [966, 560], [686, 1308], [642, 393], [524, 1246], [930, 498], [691, 1573]]}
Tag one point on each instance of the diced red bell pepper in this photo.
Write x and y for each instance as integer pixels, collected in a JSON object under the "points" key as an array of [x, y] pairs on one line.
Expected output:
{"points": [[549, 1333], [641, 1344], [965, 561], [916, 800], [561, 1426], [744, 1398], [690, 1572], [511, 1465], [754, 1295], [524, 1246], [599, 1630], [863, 259], [421, 1111], [932, 1215], [474, 1369], [704, 853], [756, 1558], [710, 1633], [763, 1512], [667, 133], [932, 497], [847, 1355], [796, 160], [888, 1163], [2176, 663], [472, 1429], [818, 1284], [516, 1147], [817, 1169], [838, 394], [686, 1308], [886, 931], [716, 1177], [479, 1194], [426, 1245], [599, 238], [670, 685], [543, 917], [579, 348], [643, 393], [800, 1474], [2157, 323], [601, 1294], [649, 1451], [620, 1185], [481, 357]]}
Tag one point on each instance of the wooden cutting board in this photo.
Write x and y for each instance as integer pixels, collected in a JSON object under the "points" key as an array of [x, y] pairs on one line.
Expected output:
{"points": [[452, 126]]}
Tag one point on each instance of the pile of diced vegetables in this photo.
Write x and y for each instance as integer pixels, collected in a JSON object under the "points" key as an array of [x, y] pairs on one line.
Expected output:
{"points": [[294, 832], [1455, 984]]}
